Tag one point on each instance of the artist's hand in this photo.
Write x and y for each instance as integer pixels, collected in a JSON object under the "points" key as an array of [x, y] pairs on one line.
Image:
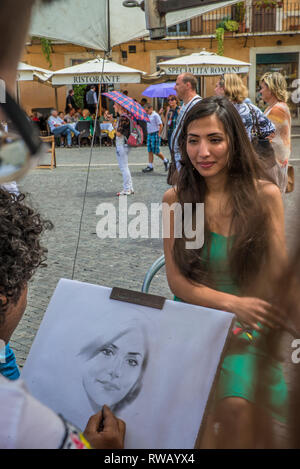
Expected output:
{"points": [[253, 310], [113, 433]]}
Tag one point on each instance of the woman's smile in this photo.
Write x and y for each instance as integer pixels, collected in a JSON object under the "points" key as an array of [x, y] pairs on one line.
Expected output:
{"points": [[206, 164], [109, 385]]}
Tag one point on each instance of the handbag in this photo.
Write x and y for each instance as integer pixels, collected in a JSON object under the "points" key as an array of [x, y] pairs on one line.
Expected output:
{"points": [[261, 144], [291, 179]]}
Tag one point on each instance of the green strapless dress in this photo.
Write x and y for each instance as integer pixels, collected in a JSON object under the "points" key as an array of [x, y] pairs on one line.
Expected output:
{"points": [[246, 355]]}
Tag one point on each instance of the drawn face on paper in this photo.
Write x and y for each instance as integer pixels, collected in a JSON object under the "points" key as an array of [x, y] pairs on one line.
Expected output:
{"points": [[115, 368]]}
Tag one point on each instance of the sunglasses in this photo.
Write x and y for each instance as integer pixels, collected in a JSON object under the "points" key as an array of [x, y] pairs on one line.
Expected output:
{"points": [[20, 149]]}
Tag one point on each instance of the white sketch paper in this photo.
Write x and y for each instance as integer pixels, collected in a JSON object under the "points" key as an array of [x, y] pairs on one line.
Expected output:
{"points": [[154, 368]]}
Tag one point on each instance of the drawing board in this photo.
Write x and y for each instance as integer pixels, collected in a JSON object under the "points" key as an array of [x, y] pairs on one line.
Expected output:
{"points": [[154, 368]]}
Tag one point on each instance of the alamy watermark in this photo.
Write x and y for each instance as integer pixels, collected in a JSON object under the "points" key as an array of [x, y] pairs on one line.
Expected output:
{"points": [[296, 353], [137, 221], [295, 95]]}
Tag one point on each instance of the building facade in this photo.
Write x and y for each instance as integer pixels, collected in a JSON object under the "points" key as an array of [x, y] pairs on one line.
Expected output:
{"points": [[265, 33]]}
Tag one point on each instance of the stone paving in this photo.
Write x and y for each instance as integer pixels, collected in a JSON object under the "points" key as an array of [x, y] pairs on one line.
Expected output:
{"points": [[59, 194]]}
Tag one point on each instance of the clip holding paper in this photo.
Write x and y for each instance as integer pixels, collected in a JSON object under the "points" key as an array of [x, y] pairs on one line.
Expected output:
{"points": [[138, 298]]}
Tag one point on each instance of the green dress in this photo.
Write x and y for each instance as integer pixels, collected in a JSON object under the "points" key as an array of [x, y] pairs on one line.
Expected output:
{"points": [[246, 352]]}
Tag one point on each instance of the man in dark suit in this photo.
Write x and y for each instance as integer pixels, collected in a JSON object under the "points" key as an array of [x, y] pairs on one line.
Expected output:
{"points": [[70, 102]]}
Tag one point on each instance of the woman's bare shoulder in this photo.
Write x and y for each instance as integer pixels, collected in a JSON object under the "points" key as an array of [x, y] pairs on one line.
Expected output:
{"points": [[170, 196], [269, 192], [268, 188]]}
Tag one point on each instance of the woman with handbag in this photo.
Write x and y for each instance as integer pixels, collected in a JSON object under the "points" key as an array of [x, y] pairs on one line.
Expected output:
{"points": [[274, 93], [259, 128], [122, 127], [243, 252]]}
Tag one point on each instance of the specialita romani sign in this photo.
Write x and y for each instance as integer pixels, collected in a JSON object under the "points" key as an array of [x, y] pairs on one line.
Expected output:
{"points": [[204, 69]]}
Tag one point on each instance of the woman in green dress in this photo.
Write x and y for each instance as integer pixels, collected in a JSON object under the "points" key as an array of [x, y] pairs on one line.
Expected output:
{"points": [[87, 117], [243, 254]]}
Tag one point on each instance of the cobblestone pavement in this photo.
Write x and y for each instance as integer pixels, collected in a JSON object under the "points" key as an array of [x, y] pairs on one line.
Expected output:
{"points": [[58, 194]]}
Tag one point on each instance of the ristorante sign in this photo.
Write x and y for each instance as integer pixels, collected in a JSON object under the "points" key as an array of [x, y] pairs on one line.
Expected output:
{"points": [[204, 69], [88, 79]]}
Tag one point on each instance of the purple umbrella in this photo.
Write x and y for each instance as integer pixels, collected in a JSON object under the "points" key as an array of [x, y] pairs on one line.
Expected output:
{"points": [[161, 90]]}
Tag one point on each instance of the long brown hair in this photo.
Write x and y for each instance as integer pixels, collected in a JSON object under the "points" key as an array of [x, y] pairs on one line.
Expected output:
{"points": [[249, 221]]}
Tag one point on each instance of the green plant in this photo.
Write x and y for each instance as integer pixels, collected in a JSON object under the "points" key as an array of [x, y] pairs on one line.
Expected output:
{"points": [[221, 23], [231, 25], [226, 24], [79, 91], [239, 12], [220, 39], [46, 49], [266, 4]]}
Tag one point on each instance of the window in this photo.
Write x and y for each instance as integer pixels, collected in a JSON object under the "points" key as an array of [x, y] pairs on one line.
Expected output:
{"points": [[77, 61], [181, 29], [132, 49]]}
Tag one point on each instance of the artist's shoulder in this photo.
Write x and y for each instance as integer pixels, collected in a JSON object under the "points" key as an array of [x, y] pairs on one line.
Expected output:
{"points": [[170, 196]]}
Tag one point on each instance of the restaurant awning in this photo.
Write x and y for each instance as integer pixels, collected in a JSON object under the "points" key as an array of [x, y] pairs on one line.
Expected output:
{"points": [[96, 71], [203, 63], [28, 72]]}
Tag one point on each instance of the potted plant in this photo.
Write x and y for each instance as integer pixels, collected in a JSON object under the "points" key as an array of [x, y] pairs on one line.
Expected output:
{"points": [[228, 25], [231, 25], [220, 39]]}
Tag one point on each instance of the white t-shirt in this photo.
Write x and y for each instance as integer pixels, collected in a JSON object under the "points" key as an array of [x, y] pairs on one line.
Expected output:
{"points": [[155, 122], [25, 423]]}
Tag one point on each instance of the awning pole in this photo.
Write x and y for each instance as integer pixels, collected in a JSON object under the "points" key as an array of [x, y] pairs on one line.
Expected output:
{"points": [[56, 98]]}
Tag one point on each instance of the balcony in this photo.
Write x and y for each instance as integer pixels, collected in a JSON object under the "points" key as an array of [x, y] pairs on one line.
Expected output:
{"points": [[260, 18]]}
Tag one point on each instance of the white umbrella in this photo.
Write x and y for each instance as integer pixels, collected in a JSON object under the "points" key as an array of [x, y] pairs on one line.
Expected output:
{"points": [[101, 24], [204, 64], [96, 71], [30, 72]]}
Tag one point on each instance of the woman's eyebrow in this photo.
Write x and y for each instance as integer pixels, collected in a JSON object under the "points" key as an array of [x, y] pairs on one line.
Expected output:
{"points": [[134, 353], [208, 135]]}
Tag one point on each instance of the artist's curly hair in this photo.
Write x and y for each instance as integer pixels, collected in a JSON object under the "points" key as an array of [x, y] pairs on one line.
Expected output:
{"points": [[20, 250]]}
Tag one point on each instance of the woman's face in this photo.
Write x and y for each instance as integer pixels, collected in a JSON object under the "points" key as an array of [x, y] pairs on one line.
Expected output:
{"points": [[172, 103], [265, 92], [115, 369], [219, 90], [208, 146]]}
